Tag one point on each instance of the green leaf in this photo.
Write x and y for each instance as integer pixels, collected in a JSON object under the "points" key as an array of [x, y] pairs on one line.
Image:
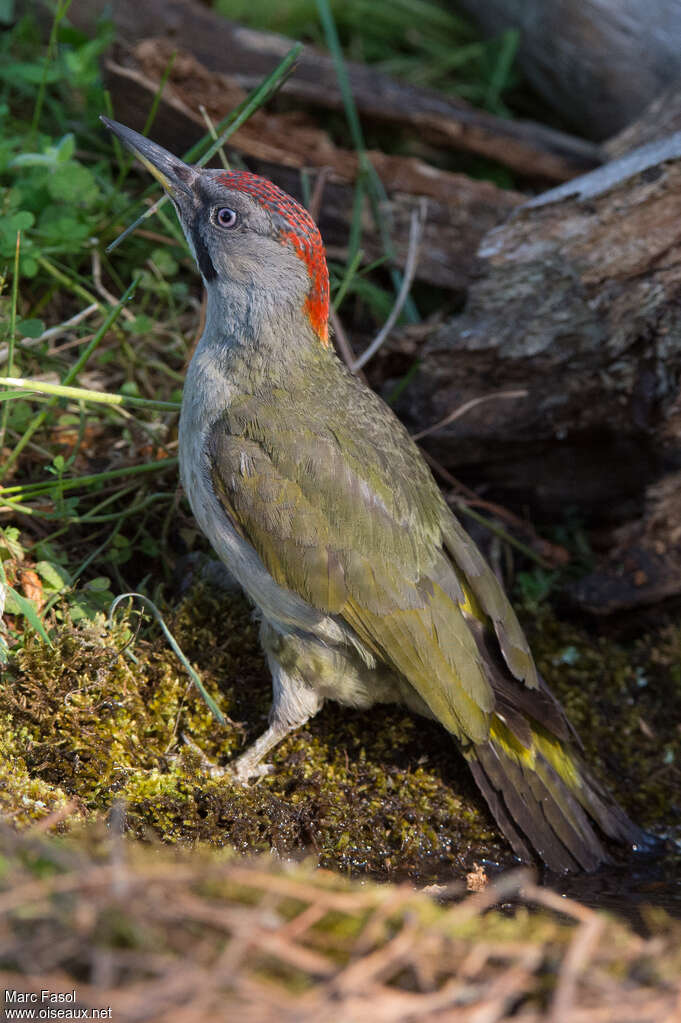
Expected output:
{"points": [[30, 328], [29, 267], [66, 147], [54, 576], [149, 546], [142, 324], [19, 221], [25, 71], [16, 604], [99, 584], [71, 182], [10, 546], [32, 160], [79, 609], [164, 262]]}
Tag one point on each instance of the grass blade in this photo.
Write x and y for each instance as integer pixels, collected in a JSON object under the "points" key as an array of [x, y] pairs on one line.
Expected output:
{"points": [[70, 376], [149, 604], [28, 490], [59, 15], [82, 394], [12, 333], [375, 189]]}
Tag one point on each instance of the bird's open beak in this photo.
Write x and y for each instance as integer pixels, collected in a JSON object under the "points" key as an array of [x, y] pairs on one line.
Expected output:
{"points": [[175, 176]]}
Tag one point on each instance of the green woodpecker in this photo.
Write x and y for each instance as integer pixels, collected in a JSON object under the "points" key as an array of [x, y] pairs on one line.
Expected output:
{"points": [[317, 500]]}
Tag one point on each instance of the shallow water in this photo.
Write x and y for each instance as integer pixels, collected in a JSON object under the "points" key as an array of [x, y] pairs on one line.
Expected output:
{"points": [[627, 890]]}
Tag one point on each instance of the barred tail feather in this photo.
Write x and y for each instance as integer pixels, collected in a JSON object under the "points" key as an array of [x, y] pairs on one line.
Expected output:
{"points": [[562, 822]]}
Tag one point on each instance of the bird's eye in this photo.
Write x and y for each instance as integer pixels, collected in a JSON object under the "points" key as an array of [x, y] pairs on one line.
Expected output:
{"points": [[226, 217]]}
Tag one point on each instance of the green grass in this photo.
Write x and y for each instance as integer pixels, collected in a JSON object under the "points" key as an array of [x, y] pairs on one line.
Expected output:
{"points": [[61, 201], [420, 41]]}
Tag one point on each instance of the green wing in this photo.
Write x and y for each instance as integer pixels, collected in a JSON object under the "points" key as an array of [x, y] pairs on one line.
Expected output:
{"points": [[351, 520]]}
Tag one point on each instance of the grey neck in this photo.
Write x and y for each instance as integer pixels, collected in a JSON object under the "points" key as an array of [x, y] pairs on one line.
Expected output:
{"points": [[242, 351]]}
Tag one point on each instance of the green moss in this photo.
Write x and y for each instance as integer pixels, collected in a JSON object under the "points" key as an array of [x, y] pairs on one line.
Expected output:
{"points": [[377, 791], [26, 798], [381, 791], [625, 702]]}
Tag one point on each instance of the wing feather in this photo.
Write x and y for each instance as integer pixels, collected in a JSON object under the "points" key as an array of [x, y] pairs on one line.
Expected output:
{"points": [[356, 526]]}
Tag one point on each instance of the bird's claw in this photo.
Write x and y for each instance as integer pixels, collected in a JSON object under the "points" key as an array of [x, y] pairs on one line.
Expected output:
{"points": [[242, 771]]}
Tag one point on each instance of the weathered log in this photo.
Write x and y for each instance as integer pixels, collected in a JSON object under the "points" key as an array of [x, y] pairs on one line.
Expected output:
{"points": [[644, 564], [579, 303], [660, 119], [460, 209], [598, 62], [528, 148]]}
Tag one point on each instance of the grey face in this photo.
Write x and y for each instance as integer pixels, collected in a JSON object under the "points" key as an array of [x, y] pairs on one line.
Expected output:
{"points": [[250, 240], [229, 233]]}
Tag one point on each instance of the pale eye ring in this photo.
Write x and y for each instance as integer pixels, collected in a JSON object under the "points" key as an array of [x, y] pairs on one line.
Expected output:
{"points": [[226, 217]]}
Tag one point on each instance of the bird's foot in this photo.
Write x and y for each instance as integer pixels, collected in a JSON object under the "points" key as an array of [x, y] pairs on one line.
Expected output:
{"points": [[251, 763], [243, 769]]}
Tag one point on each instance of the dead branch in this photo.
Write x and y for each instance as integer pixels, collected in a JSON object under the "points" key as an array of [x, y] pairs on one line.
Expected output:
{"points": [[526, 147]]}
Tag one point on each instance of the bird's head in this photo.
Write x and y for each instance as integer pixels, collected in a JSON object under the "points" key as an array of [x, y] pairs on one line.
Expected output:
{"points": [[245, 232]]}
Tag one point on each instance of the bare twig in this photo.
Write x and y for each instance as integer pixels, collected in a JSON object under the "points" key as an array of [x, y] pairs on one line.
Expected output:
{"points": [[580, 949], [68, 345], [318, 192], [342, 343], [392, 956], [553, 553], [418, 219], [558, 903], [466, 407], [358, 975], [52, 332]]}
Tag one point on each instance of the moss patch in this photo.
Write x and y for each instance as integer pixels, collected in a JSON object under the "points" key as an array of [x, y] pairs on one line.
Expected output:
{"points": [[625, 702], [381, 791]]}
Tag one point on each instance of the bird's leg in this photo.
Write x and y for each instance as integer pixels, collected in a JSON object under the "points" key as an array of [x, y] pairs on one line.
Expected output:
{"points": [[249, 765], [294, 700]]}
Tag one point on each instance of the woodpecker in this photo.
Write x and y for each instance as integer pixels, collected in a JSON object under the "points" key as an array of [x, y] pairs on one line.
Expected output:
{"points": [[317, 500]]}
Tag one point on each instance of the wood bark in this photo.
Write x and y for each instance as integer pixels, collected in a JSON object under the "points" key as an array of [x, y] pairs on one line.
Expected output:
{"points": [[660, 119], [598, 62], [579, 304], [644, 563], [528, 148]]}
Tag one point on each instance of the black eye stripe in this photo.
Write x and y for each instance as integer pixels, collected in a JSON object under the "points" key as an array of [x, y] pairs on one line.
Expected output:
{"points": [[203, 259]]}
